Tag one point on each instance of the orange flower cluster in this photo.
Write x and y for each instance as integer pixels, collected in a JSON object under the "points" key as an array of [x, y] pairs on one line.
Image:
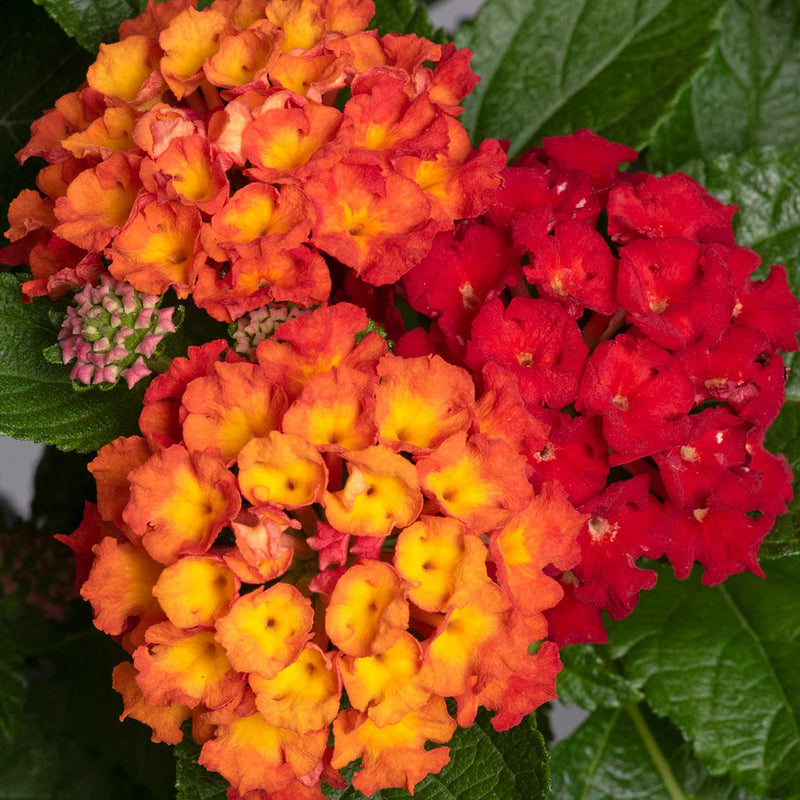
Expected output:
{"points": [[330, 518], [221, 152]]}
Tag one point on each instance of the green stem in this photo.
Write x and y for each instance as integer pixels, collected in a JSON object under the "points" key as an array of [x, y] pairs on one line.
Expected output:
{"points": [[651, 745], [662, 765]]}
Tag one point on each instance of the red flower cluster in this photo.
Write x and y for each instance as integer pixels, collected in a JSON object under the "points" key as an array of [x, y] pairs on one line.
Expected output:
{"points": [[637, 358], [221, 152]]}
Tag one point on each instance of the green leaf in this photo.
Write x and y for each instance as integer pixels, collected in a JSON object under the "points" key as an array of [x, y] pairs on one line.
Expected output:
{"points": [[71, 745], [39, 64], [745, 95], [39, 403], [765, 184], [784, 437], [61, 486], [610, 65], [484, 765], [92, 21], [403, 16], [587, 681], [627, 754], [721, 663], [193, 782]]}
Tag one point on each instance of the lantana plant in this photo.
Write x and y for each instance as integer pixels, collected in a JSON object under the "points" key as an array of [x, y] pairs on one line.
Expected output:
{"points": [[419, 383]]}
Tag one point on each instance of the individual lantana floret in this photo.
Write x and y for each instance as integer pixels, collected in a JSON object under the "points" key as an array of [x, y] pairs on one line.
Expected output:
{"points": [[256, 567], [111, 331]]}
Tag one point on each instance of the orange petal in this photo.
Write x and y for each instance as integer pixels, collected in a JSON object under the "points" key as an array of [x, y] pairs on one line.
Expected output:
{"points": [[189, 172], [243, 56], [158, 249], [312, 344], [264, 548], [390, 684], [265, 630], [478, 480], [348, 16], [190, 38], [155, 17], [380, 225], [120, 585], [253, 755], [111, 133], [441, 561], [460, 646], [226, 409], [335, 412], [165, 721], [255, 211], [381, 492], [501, 413], [282, 469], [383, 118], [368, 611], [301, 21], [284, 142], [99, 202], [111, 467], [303, 697], [242, 13], [421, 401], [195, 590], [179, 502], [157, 128], [543, 533], [29, 212], [311, 76], [185, 667], [122, 68], [299, 276], [525, 689], [393, 755]]}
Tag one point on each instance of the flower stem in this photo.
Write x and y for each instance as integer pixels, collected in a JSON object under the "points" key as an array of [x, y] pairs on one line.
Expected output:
{"points": [[661, 763]]}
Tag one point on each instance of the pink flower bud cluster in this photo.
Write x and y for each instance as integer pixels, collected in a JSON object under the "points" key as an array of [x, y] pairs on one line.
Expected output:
{"points": [[111, 330], [260, 324]]}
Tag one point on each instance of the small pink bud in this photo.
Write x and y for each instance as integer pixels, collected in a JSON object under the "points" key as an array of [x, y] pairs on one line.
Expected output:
{"points": [[143, 320], [82, 373], [122, 334], [135, 373], [67, 350], [111, 303], [148, 345]]}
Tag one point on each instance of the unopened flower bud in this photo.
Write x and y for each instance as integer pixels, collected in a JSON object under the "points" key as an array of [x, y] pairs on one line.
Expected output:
{"points": [[110, 330]]}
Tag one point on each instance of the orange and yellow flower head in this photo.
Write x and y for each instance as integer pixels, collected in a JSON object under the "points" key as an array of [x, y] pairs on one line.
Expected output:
{"points": [[237, 153], [327, 519]]}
